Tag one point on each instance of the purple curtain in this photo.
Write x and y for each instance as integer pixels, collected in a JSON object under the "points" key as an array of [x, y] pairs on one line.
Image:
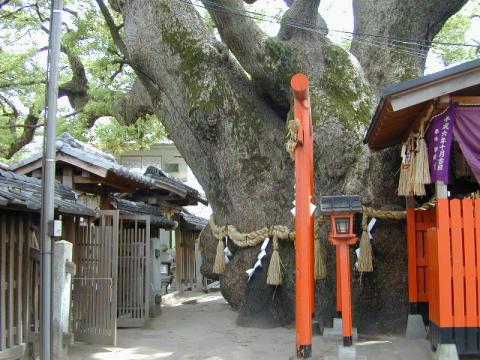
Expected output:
{"points": [[439, 140], [467, 132]]}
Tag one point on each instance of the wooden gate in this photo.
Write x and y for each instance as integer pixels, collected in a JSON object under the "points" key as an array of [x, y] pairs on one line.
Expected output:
{"points": [[94, 300], [185, 259], [418, 222], [18, 317], [133, 270]]}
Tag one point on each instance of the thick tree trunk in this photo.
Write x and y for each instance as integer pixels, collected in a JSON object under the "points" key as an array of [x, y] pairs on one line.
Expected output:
{"points": [[227, 117]]}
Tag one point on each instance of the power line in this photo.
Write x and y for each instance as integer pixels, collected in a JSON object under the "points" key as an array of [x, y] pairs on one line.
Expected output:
{"points": [[403, 47], [413, 51], [271, 19]]}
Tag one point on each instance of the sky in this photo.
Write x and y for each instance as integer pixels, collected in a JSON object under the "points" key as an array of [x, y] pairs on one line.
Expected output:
{"points": [[339, 16]]}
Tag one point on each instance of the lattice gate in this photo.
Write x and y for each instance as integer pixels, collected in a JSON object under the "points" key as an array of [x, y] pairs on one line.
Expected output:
{"points": [[94, 300], [133, 270]]}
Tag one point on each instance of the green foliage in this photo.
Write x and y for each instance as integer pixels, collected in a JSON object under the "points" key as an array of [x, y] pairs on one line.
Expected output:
{"points": [[86, 40], [116, 138], [457, 30]]}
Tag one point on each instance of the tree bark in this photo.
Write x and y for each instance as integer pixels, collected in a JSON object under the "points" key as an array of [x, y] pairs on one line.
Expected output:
{"points": [[227, 116], [393, 53]]}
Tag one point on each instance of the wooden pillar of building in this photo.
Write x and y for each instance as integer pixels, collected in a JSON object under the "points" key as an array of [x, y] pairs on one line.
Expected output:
{"points": [[412, 255]]}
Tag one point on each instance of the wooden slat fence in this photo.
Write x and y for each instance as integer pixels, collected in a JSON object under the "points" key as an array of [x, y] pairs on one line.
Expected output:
{"points": [[189, 259], [18, 280], [454, 269], [133, 271]]}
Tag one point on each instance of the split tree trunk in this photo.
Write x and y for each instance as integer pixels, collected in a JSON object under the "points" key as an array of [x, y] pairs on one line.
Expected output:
{"points": [[227, 116]]}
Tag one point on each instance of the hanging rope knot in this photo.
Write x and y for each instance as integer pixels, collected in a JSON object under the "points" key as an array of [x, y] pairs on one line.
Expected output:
{"points": [[292, 137]]}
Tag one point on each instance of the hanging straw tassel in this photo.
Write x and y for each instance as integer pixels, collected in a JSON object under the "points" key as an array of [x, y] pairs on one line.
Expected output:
{"points": [[274, 276], [365, 261], [412, 168], [320, 263], [422, 169], [219, 265], [403, 179], [421, 173]]}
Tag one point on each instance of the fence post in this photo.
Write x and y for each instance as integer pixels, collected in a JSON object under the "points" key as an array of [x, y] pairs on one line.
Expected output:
{"points": [[63, 269]]}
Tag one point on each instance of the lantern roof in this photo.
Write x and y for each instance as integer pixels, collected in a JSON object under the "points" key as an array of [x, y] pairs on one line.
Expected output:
{"points": [[339, 204]]}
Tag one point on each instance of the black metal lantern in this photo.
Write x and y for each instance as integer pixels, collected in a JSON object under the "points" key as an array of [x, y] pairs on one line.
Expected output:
{"points": [[342, 224]]}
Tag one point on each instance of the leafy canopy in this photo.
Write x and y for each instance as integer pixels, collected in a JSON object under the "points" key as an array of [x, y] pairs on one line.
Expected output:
{"points": [[94, 77]]}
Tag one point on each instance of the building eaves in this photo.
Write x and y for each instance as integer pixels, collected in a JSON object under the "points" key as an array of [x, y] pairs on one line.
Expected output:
{"points": [[139, 208], [26, 192]]}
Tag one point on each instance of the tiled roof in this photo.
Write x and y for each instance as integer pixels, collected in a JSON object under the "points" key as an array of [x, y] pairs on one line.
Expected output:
{"points": [[67, 144], [164, 177], [23, 191], [193, 220], [139, 208]]}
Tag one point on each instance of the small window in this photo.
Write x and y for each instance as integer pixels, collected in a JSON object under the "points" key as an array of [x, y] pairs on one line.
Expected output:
{"points": [[171, 167]]}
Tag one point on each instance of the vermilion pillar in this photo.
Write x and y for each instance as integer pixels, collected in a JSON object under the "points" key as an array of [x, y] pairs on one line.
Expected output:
{"points": [[344, 287], [339, 286], [304, 279], [345, 284]]}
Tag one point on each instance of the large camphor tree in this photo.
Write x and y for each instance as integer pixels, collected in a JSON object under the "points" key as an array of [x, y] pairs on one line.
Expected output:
{"points": [[224, 99]]}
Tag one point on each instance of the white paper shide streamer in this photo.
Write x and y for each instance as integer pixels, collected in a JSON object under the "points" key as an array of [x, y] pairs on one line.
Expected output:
{"points": [[260, 256]]}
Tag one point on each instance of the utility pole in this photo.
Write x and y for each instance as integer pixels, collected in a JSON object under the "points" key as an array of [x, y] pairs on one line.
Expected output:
{"points": [[48, 176]]}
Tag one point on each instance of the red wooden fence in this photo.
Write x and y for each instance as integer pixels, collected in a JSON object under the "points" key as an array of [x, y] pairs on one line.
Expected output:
{"points": [[454, 270], [418, 221]]}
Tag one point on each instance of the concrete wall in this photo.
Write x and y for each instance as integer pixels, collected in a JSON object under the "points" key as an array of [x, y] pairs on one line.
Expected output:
{"points": [[163, 156]]}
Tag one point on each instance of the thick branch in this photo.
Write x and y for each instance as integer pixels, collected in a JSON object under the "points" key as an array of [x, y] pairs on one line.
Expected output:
{"points": [[134, 105], [117, 39], [252, 48], [77, 88], [392, 37], [242, 36], [207, 105], [11, 105], [301, 19], [30, 125]]}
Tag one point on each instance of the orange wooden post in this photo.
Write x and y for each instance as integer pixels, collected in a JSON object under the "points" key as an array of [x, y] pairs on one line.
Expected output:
{"points": [[304, 280], [339, 285], [309, 153], [346, 292], [412, 259], [444, 255], [477, 243], [344, 282], [470, 263]]}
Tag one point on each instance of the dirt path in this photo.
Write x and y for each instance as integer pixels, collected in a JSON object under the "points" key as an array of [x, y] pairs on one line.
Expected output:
{"points": [[206, 330]]}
